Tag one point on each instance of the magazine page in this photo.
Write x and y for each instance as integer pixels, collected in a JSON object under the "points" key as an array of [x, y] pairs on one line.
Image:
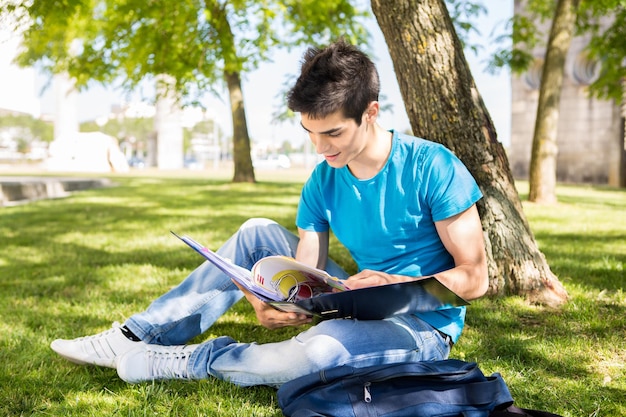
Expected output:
{"points": [[293, 280], [236, 272]]}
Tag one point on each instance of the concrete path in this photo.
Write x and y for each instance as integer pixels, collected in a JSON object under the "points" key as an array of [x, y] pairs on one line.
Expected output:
{"points": [[20, 190]]}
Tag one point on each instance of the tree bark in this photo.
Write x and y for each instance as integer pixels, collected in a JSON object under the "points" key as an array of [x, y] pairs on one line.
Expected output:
{"points": [[244, 171], [622, 159], [444, 105], [545, 148]]}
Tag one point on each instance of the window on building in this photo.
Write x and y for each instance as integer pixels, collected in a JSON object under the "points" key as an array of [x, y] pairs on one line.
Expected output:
{"points": [[584, 70], [532, 77]]}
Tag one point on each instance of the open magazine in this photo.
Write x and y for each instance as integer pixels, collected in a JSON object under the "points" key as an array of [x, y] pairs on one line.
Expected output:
{"points": [[273, 278], [289, 285]]}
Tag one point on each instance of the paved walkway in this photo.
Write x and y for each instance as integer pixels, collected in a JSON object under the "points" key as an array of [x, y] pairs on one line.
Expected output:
{"points": [[18, 190]]}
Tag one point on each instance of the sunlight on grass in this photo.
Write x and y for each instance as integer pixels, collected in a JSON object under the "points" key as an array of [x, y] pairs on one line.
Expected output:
{"points": [[87, 401], [73, 266]]}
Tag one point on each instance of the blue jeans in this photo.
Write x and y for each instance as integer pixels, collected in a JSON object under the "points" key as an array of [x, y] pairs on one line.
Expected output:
{"points": [[189, 309]]}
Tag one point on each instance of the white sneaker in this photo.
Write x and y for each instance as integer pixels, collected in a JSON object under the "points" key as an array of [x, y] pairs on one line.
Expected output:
{"points": [[102, 349], [154, 362]]}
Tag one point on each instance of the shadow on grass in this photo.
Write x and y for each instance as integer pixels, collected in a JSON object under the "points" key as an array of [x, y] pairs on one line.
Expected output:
{"points": [[551, 359], [595, 261], [70, 267], [567, 360], [129, 225]]}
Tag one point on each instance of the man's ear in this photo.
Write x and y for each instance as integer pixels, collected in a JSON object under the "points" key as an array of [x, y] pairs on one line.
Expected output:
{"points": [[372, 111]]}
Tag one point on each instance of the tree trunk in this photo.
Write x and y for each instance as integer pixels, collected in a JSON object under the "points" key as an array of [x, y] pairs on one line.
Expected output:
{"points": [[244, 171], [622, 159], [444, 105], [545, 148]]}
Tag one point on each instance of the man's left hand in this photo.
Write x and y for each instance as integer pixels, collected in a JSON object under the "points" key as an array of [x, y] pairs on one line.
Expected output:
{"points": [[369, 278]]}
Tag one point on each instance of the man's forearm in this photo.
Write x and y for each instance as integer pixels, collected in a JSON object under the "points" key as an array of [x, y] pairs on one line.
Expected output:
{"points": [[313, 249]]}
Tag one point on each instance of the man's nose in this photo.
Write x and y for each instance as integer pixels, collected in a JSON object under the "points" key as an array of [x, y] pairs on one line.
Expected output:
{"points": [[321, 145]]}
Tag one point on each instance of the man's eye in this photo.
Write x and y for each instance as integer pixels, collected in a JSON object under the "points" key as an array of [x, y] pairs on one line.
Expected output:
{"points": [[334, 134]]}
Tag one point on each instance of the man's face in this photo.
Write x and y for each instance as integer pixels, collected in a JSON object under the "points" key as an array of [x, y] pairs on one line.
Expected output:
{"points": [[338, 139]]}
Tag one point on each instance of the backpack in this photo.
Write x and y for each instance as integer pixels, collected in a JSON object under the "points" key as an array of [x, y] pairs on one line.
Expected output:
{"points": [[446, 388]]}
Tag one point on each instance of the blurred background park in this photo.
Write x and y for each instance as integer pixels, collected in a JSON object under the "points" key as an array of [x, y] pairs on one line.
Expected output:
{"points": [[32, 99], [45, 108]]}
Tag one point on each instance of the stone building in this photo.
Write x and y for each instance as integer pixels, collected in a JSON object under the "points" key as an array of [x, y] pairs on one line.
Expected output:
{"points": [[590, 131]]}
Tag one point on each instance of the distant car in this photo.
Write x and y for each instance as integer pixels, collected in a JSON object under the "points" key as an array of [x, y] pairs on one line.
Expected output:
{"points": [[273, 162], [136, 162], [192, 163]]}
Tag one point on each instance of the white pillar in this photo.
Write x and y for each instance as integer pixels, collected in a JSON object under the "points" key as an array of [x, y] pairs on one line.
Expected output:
{"points": [[168, 126], [65, 107]]}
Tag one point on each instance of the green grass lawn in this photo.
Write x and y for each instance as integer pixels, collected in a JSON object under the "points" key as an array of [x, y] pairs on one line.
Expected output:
{"points": [[70, 267]]}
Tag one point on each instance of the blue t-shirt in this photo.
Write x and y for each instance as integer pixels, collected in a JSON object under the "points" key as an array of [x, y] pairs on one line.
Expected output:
{"points": [[387, 222]]}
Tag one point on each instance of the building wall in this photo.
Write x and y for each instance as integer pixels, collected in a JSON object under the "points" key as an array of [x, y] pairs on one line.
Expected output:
{"points": [[17, 85], [590, 137]]}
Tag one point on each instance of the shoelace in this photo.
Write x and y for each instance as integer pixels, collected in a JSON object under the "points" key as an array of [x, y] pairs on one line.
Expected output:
{"points": [[169, 364]]}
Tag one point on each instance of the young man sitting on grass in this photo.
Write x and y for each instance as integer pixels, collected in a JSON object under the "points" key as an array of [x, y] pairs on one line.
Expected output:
{"points": [[403, 206]]}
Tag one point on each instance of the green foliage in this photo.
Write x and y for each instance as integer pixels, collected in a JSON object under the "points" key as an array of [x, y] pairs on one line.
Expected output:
{"points": [[72, 266], [193, 42], [34, 129], [52, 30], [138, 128], [462, 14], [523, 34], [604, 21], [607, 45], [316, 22], [525, 37]]}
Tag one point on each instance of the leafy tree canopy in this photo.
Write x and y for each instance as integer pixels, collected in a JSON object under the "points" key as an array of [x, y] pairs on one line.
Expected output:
{"points": [[194, 42], [603, 20], [36, 129]]}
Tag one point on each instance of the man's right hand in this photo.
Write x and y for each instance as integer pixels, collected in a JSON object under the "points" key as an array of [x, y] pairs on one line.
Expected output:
{"points": [[271, 318]]}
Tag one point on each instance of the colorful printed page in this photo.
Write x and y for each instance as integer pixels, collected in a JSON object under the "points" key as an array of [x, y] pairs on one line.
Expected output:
{"points": [[293, 280]]}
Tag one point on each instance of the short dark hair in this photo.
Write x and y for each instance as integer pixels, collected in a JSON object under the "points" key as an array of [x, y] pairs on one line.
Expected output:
{"points": [[337, 77]]}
